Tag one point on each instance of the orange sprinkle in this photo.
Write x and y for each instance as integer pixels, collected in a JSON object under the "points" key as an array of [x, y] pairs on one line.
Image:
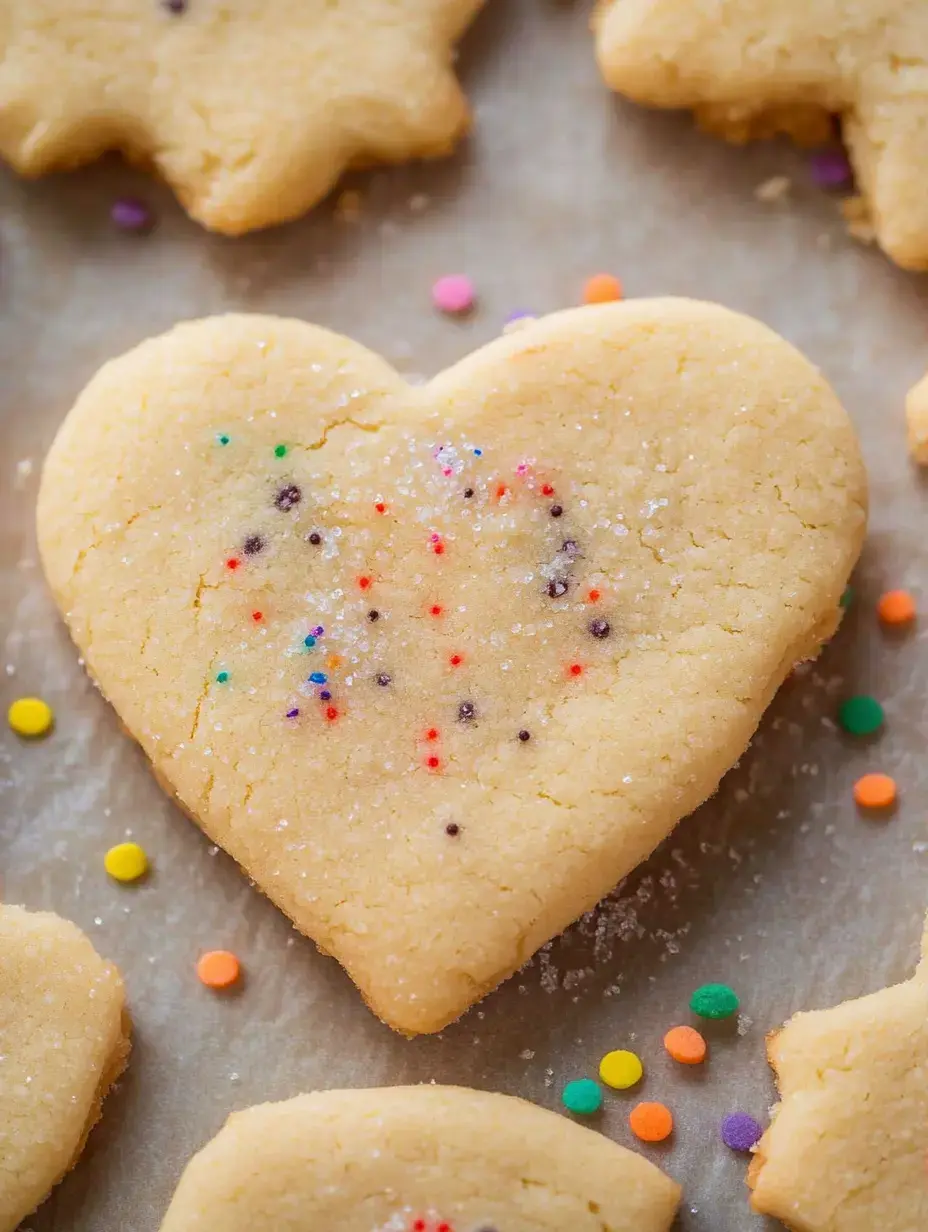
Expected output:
{"points": [[257, 617], [651, 1122], [575, 669], [685, 1045], [602, 289], [875, 791], [594, 596], [456, 660], [333, 661], [218, 969], [364, 582], [380, 507], [501, 491], [896, 607]]}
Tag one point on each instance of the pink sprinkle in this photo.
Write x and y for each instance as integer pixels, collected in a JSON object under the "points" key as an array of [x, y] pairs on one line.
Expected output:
{"points": [[446, 470], [454, 293]]}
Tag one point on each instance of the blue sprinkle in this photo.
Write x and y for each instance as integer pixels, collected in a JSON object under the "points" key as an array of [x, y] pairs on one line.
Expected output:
{"points": [[309, 641], [478, 453], [325, 696], [292, 714], [318, 678]]}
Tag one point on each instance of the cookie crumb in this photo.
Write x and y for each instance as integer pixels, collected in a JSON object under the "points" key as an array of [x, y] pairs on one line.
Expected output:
{"points": [[348, 206], [859, 223], [774, 190]]}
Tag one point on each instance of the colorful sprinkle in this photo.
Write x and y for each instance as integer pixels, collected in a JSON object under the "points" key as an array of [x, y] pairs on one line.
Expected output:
{"points": [[685, 1045], [452, 829], [875, 791], [373, 615], [600, 628], [432, 734], [602, 289], [651, 1122], [557, 588], [438, 548], [468, 493], [294, 713], [456, 660], [478, 453], [253, 545], [847, 597], [288, 496], [621, 1069], [223, 438], [740, 1132], [861, 716], [315, 538], [436, 609], [30, 716], [131, 215], [381, 507], [257, 617], [309, 641], [571, 548], [575, 669], [280, 451], [467, 711], [233, 563], [222, 677], [318, 678], [433, 762], [583, 1097], [383, 679], [218, 969], [525, 736], [594, 595], [830, 169], [365, 582], [126, 862], [714, 1001], [896, 607], [317, 631], [556, 511], [454, 294], [331, 714], [547, 490], [325, 695]]}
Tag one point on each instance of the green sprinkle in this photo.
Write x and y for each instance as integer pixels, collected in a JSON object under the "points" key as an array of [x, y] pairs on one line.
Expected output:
{"points": [[280, 451], [222, 677], [582, 1097], [861, 716], [223, 439], [714, 1001], [848, 597]]}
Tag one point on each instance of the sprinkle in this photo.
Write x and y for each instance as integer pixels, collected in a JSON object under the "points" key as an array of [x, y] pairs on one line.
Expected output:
{"points": [[501, 491], [364, 582], [830, 169], [525, 736], [126, 862], [373, 615], [556, 511], [30, 716], [233, 563], [280, 451], [547, 490], [452, 829], [253, 545], [556, 588], [583, 1097], [380, 507], [331, 714], [875, 791], [594, 595], [569, 546], [309, 641], [478, 453], [432, 734], [325, 695], [466, 711], [436, 609], [383, 679], [289, 495], [433, 762], [454, 294], [861, 716], [315, 538], [257, 617], [685, 1045], [600, 628], [714, 1001], [334, 661], [218, 969], [222, 677], [438, 548], [176, 6], [456, 660], [740, 1132], [130, 214], [317, 631], [847, 597], [896, 607], [621, 1069], [575, 669], [468, 493], [602, 289], [317, 678], [223, 438], [651, 1122], [294, 713]]}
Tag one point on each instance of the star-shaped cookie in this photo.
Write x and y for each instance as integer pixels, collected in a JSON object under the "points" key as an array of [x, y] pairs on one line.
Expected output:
{"points": [[755, 66], [249, 109], [416, 1159], [848, 1146], [64, 1040]]}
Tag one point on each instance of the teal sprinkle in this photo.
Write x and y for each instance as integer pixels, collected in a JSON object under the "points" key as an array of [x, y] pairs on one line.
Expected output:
{"points": [[309, 641], [318, 678], [222, 677], [223, 439], [582, 1097], [280, 451]]}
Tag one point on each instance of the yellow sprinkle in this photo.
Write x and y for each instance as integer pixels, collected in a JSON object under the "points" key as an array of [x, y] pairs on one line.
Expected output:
{"points": [[126, 862], [30, 716], [620, 1069]]}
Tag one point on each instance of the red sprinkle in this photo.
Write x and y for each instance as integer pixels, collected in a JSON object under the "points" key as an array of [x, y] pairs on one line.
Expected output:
{"points": [[380, 507], [438, 548], [547, 490], [436, 609], [257, 616], [575, 669], [233, 562], [456, 660], [594, 596], [331, 713], [433, 762], [432, 733], [365, 582], [501, 491]]}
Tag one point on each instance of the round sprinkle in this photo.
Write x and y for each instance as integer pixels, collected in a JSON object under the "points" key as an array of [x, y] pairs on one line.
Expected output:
{"points": [[317, 631], [433, 762], [383, 679], [233, 563], [126, 862], [830, 169], [130, 214], [315, 538], [432, 734], [309, 641], [557, 588], [30, 716], [875, 791], [651, 1122], [740, 1132], [547, 490], [223, 438], [896, 607], [714, 1001], [257, 617], [294, 713], [600, 628], [222, 677], [466, 711], [602, 289], [583, 1097], [594, 596], [325, 695], [620, 1069], [365, 582], [575, 669], [373, 615], [331, 714], [454, 294], [478, 453], [468, 493], [280, 451], [288, 496], [452, 829], [685, 1045], [861, 715], [317, 677], [380, 507], [556, 511], [525, 736], [456, 660], [436, 609], [847, 597], [218, 969]]}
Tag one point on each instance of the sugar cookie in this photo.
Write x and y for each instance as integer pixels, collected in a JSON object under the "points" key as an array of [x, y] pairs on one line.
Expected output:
{"points": [[754, 67], [439, 665], [846, 1150], [64, 1040], [251, 111], [916, 414], [423, 1158]]}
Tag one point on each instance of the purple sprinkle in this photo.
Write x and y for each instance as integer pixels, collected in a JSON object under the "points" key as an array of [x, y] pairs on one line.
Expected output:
{"points": [[830, 169], [292, 714], [517, 314], [740, 1132], [325, 695], [130, 214], [318, 631]]}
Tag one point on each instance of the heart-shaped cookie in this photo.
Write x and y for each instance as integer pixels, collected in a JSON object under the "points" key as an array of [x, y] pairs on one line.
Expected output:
{"points": [[64, 1040], [416, 1159], [439, 665]]}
